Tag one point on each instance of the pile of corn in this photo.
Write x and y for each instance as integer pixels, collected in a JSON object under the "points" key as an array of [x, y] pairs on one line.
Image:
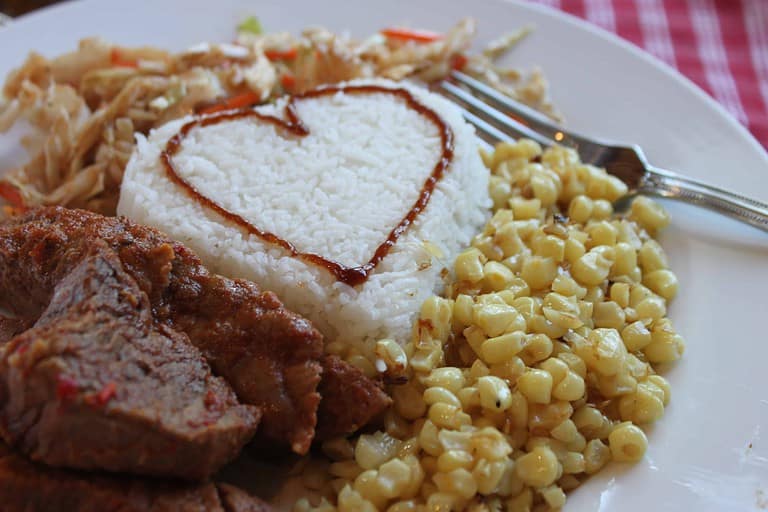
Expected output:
{"points": [[536, 367]]}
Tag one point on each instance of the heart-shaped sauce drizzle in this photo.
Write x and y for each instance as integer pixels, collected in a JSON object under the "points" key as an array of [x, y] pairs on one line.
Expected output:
{"points": [[294, 125]]}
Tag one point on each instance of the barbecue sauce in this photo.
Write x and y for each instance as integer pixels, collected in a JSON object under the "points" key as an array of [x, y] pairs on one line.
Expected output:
{"points": [[292, 124]]}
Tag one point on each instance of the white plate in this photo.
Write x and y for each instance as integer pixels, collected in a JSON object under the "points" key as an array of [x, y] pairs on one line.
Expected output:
{"points": [[710, 451]]}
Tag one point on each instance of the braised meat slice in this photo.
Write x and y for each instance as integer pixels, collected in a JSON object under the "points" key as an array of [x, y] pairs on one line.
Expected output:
{"points": [[350, 399], [10, 327], [96, 384], [269, 355], [29, 487]]}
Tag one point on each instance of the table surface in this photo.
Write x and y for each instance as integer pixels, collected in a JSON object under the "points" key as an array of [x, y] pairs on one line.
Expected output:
{"points": [[721, 45]]}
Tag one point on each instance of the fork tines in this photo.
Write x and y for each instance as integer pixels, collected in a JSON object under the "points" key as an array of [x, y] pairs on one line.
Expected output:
{"points": [[496, 116]]}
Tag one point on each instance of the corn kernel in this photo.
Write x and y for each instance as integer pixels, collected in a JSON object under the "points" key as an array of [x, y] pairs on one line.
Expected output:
{"points": [[596, 455], [448, 416], [454, 459], [565, 431], [502, 348], [509, 370], [649, 214], [455, 440], [570, 389], [436, 315], [520, 503], [536, 386], [636, 336], [469, 397], [652, 257], [373, 450], [653, 307], [351, 501], [573, 463], [588, 420], [553, 496], [469, 265], [574, 249], [580, 209], [593, 267], [663, 282], [661, 383], [628, 443], [393, 356], [545, 189], [567, 286], [488, 475], [625, 261], [562, 311], [494, 393], [608, 314], [540, 324], [641, 407], [459, 482], [462, 309], [518, 410], [435, 395], [428, 439], [525, 208], [575, 363], [447, 377], [497, 319], [393, 478], [557, 368], [619, 293], [666, 345], [537, 468], [539, 272], [603, 351], [496, 276], [549, 246], [602, 209], [601, 233], [490, 444]]}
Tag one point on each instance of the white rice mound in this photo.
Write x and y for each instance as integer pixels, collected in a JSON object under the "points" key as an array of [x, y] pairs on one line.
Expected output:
{"points": [[337, 192]]}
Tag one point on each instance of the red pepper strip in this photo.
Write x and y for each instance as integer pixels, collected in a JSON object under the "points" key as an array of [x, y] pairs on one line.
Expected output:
{"points": [[240, 101], [118, 61], [288, 81], [407, 34], [107, 393], [11, 194], [459, 61], [289, 54], [66, 388]]}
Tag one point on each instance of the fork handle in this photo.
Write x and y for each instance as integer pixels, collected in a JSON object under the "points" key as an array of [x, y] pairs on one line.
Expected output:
{"points": [[663, 183]]}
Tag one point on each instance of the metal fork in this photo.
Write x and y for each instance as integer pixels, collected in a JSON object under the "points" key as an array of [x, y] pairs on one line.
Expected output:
{"points": [[497, 118]]}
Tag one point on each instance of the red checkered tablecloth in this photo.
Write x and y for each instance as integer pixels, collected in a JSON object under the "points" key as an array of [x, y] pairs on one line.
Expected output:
{"points": [[722, 45]]}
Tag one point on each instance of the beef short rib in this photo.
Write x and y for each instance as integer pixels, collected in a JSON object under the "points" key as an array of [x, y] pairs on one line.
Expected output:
{"points": [[96, 384]]}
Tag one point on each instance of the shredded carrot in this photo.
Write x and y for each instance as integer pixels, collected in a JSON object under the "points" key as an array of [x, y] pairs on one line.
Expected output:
{"points": [[118, 60], [10, 211], [240, 101], [288, 54], [288, 81], [459, 61], [11, 194], [407, 34]]}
